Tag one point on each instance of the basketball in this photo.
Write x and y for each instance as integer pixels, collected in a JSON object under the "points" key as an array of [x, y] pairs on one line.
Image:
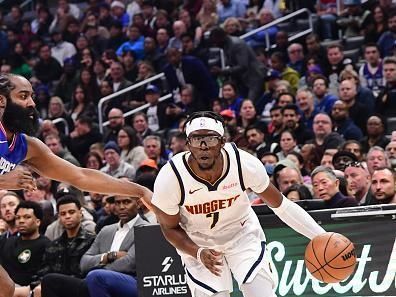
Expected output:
{"points": [[330, 257]]}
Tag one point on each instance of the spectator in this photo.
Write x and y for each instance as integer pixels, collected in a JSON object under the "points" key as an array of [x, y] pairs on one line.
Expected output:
{"points": [[47, 62], [116, 122], [57, 110], [179, 28], [387, 39], [376, 158], [247, 114], [324, 137], [376, 127], [21, 256], [315, 49], [386, 100], [356, 21], [391, 153], [119, 82], [54, 144], [264, 17], [383, 186], [343, 124], [363, 95], [287, 144], [119, 14], [207, 15], [192, 26], [326, 187], [295, 53], [358, 112], [107, 259], [341, 159], [327, 12], [277, 7], [61, 50], [81, 138], [278, 63], [353, 147], [88, 82], [276, 124], [94, 161], [297, 192], [306, 104], [153, 54], [182, 70], [268, 99], [131, 151], [230, 96], [68, 81], [323, 99], [380, 16], [135, 43], [336, 62], [298, 159], [285, 99], [242, 64], [286, 174], [152, 147], [371, 72], [81, 105], [156, 112], [63, 254], [162, 38], [256, 139], [64, 11], [140, 124], [358, 182], [230, 8], [178, 143], [291, 121], [8, 204], [310, 156], [114, 165], [327, 160], [108, 216], [117, 37]]}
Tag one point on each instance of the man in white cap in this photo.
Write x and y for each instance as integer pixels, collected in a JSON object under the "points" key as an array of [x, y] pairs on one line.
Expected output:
{"points": [[207, 216]]}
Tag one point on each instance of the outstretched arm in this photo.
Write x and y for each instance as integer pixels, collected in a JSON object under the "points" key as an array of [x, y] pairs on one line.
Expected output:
{"points": [[290, 213], [44, 162], [6, 284]]}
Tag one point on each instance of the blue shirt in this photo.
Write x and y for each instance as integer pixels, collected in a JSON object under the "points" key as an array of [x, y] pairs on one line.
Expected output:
{"points": [[234, 9], [136, 46], [13, 154]]}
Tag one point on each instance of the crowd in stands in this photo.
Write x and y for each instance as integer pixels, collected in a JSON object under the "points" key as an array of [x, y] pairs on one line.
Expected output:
{"points": [[318, 115]]}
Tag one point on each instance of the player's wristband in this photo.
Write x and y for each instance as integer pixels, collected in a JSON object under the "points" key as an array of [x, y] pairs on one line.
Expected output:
{"points": [[199, 252]]}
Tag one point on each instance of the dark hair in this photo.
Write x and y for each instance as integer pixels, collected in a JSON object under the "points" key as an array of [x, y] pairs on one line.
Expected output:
{"points": [[180, 136], [96, 156], [343, 146], [336, 45], [290, 107], [232, 84], [67, 199], [140, 113], [302, 191], [298, 156], [313, 36], [133, 139], [371, 44], [262, 153], [252, 127], [37, 210], [320, 76], [84, 119], [291, 132], [6, 86], [280, 56], [275, 107], [206, 114]]}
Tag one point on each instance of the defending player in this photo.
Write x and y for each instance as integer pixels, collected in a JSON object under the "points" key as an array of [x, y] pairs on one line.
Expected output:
{"points": [[200, 201], [18, 118]]}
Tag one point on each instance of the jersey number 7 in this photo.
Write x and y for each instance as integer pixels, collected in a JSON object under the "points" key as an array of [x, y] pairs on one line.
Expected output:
{"points": [[215, 216]]}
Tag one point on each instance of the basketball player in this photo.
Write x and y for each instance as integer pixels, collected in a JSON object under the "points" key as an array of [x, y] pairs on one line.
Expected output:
{"points": [[19, 118], [207, 216]]}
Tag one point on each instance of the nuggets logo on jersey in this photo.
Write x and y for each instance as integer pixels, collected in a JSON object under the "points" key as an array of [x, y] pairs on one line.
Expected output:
{"points": [[211, 206]]}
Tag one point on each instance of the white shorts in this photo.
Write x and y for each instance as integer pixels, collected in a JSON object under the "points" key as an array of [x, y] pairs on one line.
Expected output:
{"points": [[244, 257]]}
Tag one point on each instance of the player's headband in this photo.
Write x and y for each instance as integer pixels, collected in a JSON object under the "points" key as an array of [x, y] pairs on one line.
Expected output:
{"points": [[204, 123]]}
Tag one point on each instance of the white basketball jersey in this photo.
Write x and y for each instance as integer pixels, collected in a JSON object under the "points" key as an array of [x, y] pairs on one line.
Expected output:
{"points": [[212, 214]]}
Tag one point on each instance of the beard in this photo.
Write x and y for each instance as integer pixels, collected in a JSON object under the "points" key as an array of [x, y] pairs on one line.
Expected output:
{"points": [[19, 119]]}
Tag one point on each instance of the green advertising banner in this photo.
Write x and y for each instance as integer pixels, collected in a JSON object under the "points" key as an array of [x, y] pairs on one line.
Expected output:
{"points": [[160, 272]]}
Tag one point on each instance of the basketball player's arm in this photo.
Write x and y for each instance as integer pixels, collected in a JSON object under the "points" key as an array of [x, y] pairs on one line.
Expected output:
{"points": [[175, 235], [290, 213], [6, 284], [47, 164]]}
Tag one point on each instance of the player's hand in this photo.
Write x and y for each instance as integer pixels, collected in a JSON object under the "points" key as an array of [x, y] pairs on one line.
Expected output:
{"points": [[212, 259], [18, 179], [146, 199]]}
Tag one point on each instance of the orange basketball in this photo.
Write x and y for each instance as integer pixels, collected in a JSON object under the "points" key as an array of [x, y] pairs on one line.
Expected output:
{"points": [[330, 257]]}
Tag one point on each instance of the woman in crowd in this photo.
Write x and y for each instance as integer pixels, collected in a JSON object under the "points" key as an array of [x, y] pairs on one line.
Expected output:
{"points": [[56, 109], [131, 151], [231, 99], [207, 16], [380, 24], [81, 105], [88, 83], [93, 161], [288, 144], [233, 27]]}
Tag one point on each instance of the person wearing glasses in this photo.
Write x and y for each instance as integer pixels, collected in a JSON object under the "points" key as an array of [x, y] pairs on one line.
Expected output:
{"points": [[207, 215]]}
